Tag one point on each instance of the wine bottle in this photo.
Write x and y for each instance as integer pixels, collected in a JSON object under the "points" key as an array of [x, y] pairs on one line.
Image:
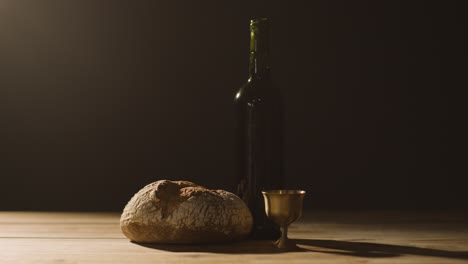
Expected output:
{"points": [[260, 132]]}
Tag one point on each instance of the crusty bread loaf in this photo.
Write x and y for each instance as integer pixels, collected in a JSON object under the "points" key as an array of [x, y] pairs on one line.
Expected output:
{"points": [[183, 212]]}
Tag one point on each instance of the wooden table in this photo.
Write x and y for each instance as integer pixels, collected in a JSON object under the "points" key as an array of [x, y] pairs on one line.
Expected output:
{"points": [[325, 237]]}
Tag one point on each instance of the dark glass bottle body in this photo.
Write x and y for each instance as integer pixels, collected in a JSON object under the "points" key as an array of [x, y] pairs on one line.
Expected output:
{"points": [[260, 133]]}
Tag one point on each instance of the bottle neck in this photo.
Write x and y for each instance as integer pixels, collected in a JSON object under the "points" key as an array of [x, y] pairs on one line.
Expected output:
{"points": [[259, 64]]}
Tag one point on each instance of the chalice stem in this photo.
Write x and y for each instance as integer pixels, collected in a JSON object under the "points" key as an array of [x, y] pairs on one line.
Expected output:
{"points": [[283, 242], [284, 233]]}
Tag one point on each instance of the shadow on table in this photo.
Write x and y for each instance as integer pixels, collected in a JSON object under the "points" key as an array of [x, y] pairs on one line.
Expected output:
{"points": [[371, 250], [346, 248], [244, 247]]}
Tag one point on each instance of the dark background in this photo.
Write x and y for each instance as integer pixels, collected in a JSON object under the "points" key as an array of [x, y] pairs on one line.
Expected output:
{"points": [[99, 98]]}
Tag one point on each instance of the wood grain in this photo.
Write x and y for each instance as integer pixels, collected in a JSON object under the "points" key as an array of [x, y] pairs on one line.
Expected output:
{"points": [[324, 237]]}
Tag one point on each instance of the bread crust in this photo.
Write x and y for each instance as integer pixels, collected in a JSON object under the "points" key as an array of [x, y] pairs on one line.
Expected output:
{"points": [[181, 212]]}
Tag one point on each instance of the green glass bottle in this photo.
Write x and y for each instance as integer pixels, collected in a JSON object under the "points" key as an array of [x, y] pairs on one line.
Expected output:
{"points": [[260, 132]]}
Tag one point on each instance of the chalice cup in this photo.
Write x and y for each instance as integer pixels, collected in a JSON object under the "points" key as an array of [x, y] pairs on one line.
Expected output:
{"points": [[283, 207]]}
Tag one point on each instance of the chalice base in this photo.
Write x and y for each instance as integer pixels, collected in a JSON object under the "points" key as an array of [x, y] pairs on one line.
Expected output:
{"points": [[286, 244]]}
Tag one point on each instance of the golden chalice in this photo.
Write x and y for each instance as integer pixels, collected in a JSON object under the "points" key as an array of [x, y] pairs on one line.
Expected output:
{"points": [[283, 207]]}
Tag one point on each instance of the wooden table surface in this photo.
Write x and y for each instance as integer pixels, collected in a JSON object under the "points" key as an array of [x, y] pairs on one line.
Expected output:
{"points": [[324, 237]]}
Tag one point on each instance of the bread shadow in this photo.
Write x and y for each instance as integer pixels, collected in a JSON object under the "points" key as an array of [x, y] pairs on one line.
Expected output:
{"points": [[243, 247], [337, 247]]}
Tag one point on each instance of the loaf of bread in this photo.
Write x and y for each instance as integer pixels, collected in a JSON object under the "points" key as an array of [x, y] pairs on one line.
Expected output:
{"points": [[183, 212]]}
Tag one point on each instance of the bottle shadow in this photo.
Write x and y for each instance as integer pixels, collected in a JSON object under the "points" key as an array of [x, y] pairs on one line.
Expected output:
{"points": [[338, 247]]}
